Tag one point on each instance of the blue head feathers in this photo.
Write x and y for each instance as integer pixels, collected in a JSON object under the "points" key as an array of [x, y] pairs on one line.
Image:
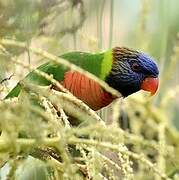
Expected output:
{"points": [[130, 70]]}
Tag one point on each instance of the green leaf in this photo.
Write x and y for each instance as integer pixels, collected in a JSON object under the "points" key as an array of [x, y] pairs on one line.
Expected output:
{"points": [[33, 169]]}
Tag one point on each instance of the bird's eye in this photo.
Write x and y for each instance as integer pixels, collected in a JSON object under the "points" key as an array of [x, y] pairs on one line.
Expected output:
{"points": [[135, 67]]}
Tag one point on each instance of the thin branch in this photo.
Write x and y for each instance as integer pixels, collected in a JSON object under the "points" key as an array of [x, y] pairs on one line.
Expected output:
{"points": [[120, 149], [70, 104], [6, 79]]}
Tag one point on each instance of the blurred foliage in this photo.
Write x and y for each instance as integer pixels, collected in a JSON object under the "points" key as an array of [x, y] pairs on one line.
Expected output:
{"points": [[36, 143], [25, 19]]}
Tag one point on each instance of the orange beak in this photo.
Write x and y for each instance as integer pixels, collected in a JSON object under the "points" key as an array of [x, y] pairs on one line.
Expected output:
{"points": [[150, 84]]}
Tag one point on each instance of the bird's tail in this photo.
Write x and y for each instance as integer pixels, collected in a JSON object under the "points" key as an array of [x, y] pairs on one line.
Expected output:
{"points": [[14, 92]]}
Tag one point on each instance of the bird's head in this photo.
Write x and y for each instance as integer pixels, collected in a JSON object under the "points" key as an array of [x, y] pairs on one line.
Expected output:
{"points": [[132, 71]]}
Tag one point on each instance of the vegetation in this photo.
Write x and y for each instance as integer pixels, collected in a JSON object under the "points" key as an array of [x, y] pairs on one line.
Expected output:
{"points": [[134, 138]]}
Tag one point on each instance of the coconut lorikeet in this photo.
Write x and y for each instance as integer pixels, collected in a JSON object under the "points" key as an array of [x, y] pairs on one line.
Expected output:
{"points": [[126, 70]]}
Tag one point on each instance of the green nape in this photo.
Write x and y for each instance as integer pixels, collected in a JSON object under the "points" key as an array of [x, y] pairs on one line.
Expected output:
{"points": [[106, 65], [98, 64]]}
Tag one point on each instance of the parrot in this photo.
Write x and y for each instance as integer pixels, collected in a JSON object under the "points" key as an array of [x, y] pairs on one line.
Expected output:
{"points": [[124, 69]]}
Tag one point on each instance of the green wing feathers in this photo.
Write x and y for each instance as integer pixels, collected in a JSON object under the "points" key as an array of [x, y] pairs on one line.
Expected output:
{"points": [[98, 64]]}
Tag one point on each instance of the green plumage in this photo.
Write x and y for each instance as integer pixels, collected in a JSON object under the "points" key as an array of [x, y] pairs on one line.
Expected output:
{"points": [[98, 64]]}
